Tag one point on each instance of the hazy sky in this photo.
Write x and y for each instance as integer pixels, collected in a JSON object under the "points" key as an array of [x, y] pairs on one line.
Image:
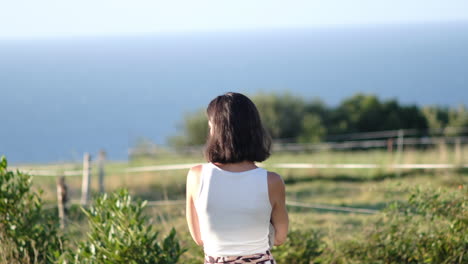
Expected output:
{"points": [[45, 18]]}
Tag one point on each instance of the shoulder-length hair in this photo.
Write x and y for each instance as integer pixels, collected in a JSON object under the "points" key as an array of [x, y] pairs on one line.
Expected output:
{"points": [[237, 133]]}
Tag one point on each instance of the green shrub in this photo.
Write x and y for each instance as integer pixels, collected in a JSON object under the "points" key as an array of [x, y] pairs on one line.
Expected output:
{"points": [[301, 247], [119, 233], [27, 233], [429, 228]]}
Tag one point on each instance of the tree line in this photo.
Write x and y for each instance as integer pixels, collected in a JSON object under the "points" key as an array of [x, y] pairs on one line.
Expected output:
{"points": [[296, 119]]}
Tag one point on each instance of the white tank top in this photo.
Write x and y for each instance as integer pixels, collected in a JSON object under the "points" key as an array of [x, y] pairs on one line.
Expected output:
{"points": [[234, 211]]}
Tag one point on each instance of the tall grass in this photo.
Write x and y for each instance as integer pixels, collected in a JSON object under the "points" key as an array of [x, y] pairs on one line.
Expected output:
{"points": [[361, 188]]}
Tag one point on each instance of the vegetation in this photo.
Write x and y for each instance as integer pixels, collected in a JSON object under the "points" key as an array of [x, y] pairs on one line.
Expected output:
{"points": [[422, 202], [118, 230], [119, 233], [299, 120], [301, 247], [27, 233], [430, 227]]}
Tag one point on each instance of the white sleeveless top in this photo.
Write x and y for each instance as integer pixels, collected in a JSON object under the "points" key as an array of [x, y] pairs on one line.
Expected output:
{"points": [[234, 211]]}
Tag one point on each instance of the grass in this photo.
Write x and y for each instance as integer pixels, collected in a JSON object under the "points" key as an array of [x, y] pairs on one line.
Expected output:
{"points": [[359, 188]]}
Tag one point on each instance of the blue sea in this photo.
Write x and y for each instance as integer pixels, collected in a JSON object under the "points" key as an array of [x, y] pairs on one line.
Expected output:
{"points": [[61, 97]]}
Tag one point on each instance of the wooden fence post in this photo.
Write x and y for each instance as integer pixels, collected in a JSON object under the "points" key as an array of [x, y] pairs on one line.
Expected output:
{"points": [[101, 161], [85, 185], [62, 199], [400, 142], [443, 150], [390, 145], [458, 150]]}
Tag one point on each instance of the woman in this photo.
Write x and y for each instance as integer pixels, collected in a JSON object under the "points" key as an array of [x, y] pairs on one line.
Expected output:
{"points": [[230, 201]]}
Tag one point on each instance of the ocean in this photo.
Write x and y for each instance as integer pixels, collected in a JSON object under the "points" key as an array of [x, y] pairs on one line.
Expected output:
{"points": [[65, 96]]}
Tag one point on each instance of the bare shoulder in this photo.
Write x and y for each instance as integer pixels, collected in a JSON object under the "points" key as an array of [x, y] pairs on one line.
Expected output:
{"points": [[193, 175], [274, 179], [196, 169], [276, 188], [193, 180]]}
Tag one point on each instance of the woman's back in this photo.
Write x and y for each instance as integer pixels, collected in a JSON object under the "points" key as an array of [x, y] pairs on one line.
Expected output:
{"points": [[231, 202], [234, 211]]}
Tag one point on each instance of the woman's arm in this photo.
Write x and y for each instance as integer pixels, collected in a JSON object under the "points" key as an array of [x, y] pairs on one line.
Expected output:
{"points": [[279, 214], [193, 181]]}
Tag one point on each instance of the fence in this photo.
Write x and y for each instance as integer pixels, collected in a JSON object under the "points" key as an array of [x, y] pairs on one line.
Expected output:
{"points": [[390, 140], [362, 140], [62, 197]]}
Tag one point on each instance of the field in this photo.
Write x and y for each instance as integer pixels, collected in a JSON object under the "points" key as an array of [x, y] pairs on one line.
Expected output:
{"points": [[374, 189]]}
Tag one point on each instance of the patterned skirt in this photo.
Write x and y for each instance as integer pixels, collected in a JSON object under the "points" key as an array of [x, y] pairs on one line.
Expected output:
{"points": [[258, 258]]}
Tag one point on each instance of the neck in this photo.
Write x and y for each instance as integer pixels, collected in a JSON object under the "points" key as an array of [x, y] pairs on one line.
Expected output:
{"points": [[238, 166]]}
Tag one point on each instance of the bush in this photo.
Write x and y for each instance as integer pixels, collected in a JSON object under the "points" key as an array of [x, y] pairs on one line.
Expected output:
{"points": [[301, 247], [429, 228], [27, 233], [119, 234]]}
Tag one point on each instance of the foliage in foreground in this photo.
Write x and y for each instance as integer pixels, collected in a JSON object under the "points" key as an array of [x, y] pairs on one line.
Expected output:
{"points": [[301, 247], [119, 233], [27, 233], [429, 228]]}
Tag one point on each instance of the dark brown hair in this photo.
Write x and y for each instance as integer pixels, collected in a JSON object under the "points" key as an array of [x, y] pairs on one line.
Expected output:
{"points": [[237, 131]]}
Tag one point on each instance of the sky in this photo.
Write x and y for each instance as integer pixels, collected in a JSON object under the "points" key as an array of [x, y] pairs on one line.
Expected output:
{"points": [[21, 19]]}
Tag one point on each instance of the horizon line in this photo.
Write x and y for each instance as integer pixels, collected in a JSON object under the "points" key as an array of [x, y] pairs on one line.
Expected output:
{"points": [[95, 35]]}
